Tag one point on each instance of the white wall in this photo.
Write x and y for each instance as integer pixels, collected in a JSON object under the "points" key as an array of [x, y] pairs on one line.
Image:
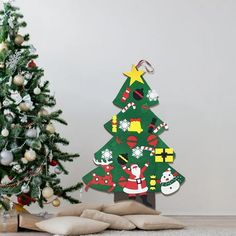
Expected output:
{"points": [[84, 47]]}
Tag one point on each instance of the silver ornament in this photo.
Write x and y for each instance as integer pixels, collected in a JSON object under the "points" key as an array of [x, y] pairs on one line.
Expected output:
{"points": [[31, 133], [25, 188], [57, 170], [6, 157]]}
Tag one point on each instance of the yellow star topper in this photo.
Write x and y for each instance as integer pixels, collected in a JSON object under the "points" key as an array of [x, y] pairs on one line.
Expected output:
{"points": [[134, 75]]}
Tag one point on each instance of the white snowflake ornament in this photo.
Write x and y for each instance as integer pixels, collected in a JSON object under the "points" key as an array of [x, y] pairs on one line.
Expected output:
{"points": [[32, 49], [107, 154], [137, 152], [152, 95], [11, 22], [13, 61], [124, 124], [24, 119]]}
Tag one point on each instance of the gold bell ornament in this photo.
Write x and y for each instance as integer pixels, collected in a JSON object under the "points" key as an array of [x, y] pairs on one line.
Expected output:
{"points": [[135, 125]]}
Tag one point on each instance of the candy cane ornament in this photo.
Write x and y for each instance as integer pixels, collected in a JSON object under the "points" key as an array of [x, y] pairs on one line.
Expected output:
{"points": [[152, 151], [161, 126], [130, 104]]}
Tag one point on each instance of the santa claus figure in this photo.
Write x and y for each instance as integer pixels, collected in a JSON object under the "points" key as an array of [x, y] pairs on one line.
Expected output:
{"points": [[136, 184]]}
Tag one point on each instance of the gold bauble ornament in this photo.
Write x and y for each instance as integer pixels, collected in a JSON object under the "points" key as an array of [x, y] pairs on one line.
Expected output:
{"points": [[19, 39], [43, 112], [24, 106], [56, 202], [19, 208], [47, 192], [50, 128], [18, 80], [3, 46], [30, 155]]}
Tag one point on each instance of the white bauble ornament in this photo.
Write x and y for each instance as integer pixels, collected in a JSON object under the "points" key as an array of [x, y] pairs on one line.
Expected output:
{"points": [[30, 155], [57, 170], [47, 192], [56, 202], [6, 157], [37, 91], [24, 160], [19, 39], [2, 65], [25, 188], [31, 133], [3, 46], [24, 106], [5, 132], [50, 128], [43, 112], [18, 80]]}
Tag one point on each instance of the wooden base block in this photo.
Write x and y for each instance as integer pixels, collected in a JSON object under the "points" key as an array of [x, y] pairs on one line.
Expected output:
{"points": [[9, 225]]}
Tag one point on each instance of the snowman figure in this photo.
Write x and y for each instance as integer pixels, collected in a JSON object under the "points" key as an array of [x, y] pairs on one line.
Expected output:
{"points": [[169, 182]]}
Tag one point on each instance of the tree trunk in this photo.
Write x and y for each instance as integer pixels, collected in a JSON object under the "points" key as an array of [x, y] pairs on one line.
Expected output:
{"points": [[119, 196]]}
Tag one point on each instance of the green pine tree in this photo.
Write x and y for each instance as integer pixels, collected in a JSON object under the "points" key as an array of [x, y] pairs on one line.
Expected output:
{"points": [[31, 160], [136, 160]]}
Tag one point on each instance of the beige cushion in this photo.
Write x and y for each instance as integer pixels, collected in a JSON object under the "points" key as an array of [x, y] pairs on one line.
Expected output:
{"points": [[128, 208], [77, 209], [71, 225], [151, 222], [116, 222]]}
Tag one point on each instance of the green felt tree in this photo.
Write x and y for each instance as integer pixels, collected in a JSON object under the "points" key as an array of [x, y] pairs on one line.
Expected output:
{"points": [[136, 160], [31, 159]]}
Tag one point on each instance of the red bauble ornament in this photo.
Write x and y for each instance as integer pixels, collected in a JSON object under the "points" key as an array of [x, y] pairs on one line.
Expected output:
{"points": [[32, 64], [24, 199], [152, 140], [132, 141], [53, 163]]}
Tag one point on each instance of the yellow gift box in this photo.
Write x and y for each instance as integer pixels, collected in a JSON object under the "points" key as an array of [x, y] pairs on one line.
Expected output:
{"points": [[164, 155]]}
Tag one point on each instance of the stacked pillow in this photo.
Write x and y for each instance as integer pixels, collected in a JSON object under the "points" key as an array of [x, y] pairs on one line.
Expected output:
{"points": [[85, 218]]}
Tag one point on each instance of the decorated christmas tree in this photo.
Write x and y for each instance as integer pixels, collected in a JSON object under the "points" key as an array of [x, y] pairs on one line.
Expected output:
{"points": [[31, 159], [136, 160]]}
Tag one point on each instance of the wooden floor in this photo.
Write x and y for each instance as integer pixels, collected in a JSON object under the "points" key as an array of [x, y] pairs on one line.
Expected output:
{"points": [[209, 221], [195, 225]]}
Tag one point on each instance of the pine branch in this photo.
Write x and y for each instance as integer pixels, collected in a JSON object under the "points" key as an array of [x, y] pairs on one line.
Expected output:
{"points": [[73, 188], [4, 204], [70, 199]]}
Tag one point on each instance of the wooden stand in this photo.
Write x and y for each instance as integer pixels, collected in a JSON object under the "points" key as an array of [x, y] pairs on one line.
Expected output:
{"points": [[123, 196]]}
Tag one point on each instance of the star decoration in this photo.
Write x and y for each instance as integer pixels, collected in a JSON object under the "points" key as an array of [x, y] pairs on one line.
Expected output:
{"points": [[134, 75]]}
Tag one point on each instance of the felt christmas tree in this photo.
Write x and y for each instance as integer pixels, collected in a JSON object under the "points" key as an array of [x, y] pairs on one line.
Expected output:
{"points": [[136, 160], [31, 159]]}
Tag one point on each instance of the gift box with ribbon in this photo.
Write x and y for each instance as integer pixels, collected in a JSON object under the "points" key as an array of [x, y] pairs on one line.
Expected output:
{"points": [[164, 155]]}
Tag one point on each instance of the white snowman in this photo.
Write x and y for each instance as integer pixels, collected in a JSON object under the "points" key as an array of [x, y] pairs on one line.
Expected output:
{"points": [[169, 182]]}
